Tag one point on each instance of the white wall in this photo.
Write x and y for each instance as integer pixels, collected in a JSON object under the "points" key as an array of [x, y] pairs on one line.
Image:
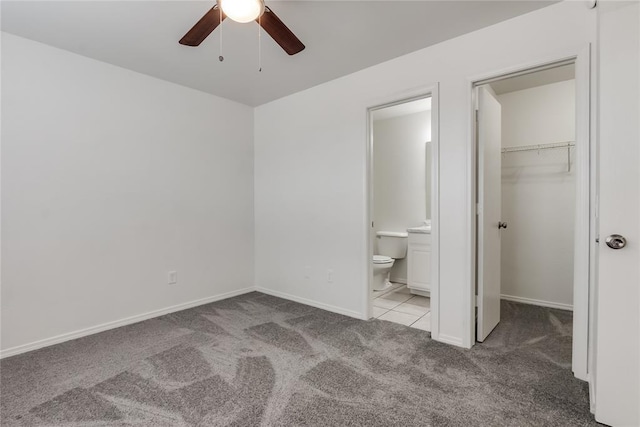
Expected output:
{"points": [[399, 176], [310, 162], [109, 180], [538, 195]]}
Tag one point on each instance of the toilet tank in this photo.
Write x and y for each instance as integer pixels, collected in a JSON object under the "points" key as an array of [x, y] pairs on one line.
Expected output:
{"points": [[392, 244]]}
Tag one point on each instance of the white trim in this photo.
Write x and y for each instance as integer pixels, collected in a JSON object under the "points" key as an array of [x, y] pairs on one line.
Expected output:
{"points": [[583, 283], [469, 298], [592, 394], [432, 91], [117, 323], [434, 288], [447, 339], [368, 219], [398, 280], [583, 214], [539, 302], [312, 303]]}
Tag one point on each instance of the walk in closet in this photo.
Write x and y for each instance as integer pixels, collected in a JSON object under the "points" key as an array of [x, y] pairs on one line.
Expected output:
{"points": [[538, 189]]}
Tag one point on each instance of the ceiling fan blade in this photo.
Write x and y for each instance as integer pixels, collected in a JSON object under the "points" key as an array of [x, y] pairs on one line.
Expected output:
{"points": [[279, 32], [203, 27]]}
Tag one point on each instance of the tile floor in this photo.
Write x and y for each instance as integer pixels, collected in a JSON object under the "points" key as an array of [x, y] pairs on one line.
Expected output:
{"points": [[399, 305]]}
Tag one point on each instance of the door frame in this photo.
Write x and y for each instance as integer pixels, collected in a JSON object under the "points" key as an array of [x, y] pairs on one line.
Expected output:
{"points": [[586, 194], [428, 91]]}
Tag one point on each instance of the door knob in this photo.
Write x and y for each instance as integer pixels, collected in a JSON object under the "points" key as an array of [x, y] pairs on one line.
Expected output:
{"points": [[502, 225], [616, 241]]}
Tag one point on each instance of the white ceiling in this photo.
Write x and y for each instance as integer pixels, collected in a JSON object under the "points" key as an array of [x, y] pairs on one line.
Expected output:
{"points": [[402, 109], [538, 78], [341, 37]]}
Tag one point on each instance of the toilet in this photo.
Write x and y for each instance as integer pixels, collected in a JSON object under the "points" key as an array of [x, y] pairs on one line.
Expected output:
{"points": [[391, 246]]}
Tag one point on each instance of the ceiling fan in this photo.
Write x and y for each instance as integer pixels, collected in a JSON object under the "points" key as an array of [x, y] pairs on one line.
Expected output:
{"points": [[243, 11]]}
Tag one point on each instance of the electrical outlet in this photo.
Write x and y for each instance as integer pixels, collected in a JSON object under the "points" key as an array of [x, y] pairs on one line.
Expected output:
{"points": [[172, 277], [330, 276]]}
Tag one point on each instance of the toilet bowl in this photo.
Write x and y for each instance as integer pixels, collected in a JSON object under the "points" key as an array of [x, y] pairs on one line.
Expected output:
{"points": [[381, 270], [391, 245]]}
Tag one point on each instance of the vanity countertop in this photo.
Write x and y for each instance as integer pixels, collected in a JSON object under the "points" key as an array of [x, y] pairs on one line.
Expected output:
{"points": [[423, 229]]}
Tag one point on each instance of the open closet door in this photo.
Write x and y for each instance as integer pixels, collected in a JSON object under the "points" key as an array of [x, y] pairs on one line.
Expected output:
{"points": [[489, 131], [617, 358]]}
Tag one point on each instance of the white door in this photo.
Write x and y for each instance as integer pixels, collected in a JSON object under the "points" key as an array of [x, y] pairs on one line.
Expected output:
{"points": [[617, 374], [489, 131]]}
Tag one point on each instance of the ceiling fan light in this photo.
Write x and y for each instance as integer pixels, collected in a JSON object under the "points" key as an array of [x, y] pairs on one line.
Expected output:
{"points": [[242, 10]]}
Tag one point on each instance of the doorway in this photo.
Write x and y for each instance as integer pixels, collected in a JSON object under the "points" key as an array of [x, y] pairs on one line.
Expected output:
{"points": [[530, 169], [403, 211]]}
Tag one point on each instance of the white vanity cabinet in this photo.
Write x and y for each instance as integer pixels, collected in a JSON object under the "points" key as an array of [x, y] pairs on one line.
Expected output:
{"points": [[419, 262]]}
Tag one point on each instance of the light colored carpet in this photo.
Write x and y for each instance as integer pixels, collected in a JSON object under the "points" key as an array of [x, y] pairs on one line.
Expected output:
{"points": [[257, 360]]}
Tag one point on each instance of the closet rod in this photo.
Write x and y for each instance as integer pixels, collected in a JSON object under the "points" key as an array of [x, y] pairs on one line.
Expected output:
{"points": [[536, 147], [567, 144]]}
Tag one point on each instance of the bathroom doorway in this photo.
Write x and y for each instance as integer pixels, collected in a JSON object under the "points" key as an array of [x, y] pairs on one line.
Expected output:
{"points": [[532, 212], [403, 211]]}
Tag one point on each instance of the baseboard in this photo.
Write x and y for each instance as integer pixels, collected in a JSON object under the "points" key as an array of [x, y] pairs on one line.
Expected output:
{"points": [[581, 376], [117, 323], [312, 303], [541, 303], [450, 340], [420, 292], [398, 280]]}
